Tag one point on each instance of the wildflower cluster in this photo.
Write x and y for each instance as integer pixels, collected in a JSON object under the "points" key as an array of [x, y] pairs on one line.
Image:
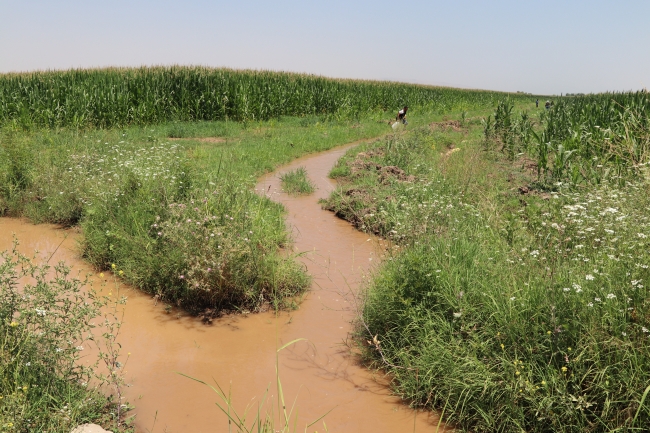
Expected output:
{"points": [[598, 241], [608, 223], [45, 327], [225, 253], [400, 203], [103, 176]]}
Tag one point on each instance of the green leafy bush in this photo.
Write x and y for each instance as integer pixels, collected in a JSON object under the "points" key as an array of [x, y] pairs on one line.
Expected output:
{"points": [[46, 326]]}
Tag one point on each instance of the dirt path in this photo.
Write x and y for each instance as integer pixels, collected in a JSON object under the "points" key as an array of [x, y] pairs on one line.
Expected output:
{"points": [[239, 352]]}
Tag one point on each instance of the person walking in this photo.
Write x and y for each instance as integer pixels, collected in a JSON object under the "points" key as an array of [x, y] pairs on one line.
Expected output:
{"points": [[401, 115], [537, 103], [547, 105]]}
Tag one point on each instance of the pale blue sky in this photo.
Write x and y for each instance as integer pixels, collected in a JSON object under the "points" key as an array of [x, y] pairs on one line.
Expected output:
{"points": [[546, 47]]}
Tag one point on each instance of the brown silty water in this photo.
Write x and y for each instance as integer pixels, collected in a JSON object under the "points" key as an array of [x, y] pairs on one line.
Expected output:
{"points": [[239, 352]]}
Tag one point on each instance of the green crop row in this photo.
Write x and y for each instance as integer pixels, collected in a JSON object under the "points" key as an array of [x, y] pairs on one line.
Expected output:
{"points": [[579, 139], [148, 95]]}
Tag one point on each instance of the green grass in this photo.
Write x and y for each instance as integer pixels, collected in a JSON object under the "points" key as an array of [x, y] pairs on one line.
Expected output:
{"points": [[296, 182], [504, 307]]}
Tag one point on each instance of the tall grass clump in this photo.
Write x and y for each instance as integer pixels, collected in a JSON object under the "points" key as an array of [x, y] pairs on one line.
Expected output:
{"points": [[544, 336], [223, 250], [16, 165], [296, 182], [46, 327], [505, 313], [148, 95]]}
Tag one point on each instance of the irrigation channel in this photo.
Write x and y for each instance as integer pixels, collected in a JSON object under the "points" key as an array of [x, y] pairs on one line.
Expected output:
{"points": [[239, 351]]}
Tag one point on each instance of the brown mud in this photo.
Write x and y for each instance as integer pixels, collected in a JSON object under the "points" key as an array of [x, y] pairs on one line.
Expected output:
{"points": [[200, 139], [239, 352], [454, 125]]}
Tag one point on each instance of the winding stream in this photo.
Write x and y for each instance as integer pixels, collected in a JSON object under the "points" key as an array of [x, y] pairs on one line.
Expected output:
{"points": [[240, 351]]}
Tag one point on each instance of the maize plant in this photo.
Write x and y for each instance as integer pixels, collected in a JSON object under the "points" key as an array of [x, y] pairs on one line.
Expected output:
{"points": [[582, 139], [511, 133]]}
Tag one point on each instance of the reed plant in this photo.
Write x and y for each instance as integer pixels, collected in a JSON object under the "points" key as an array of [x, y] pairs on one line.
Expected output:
{"points": [[269, 415]]}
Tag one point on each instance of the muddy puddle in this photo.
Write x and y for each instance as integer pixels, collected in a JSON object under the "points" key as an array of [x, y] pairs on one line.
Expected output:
{"points": [[240, 352]]}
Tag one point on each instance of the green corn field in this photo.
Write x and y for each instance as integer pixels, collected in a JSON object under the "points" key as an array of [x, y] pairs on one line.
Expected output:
{"points": [[123, 96]]}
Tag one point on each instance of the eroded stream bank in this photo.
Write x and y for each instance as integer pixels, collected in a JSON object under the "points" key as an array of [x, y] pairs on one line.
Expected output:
{"points": [[239, 351]]}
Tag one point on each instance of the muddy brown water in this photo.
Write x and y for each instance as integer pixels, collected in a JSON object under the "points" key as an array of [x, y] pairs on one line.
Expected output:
{"points": [[239, 352]]}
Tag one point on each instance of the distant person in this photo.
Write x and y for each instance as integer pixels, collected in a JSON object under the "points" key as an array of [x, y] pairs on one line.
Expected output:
{"points": [[401, 115], [547, 105], [537, 103]]}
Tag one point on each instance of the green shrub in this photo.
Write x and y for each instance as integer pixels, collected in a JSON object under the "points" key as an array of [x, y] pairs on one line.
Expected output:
{"points": [[45, 326]]}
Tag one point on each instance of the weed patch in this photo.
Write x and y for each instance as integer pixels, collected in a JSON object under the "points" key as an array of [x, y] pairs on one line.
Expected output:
{"points": [[296, 182]]}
